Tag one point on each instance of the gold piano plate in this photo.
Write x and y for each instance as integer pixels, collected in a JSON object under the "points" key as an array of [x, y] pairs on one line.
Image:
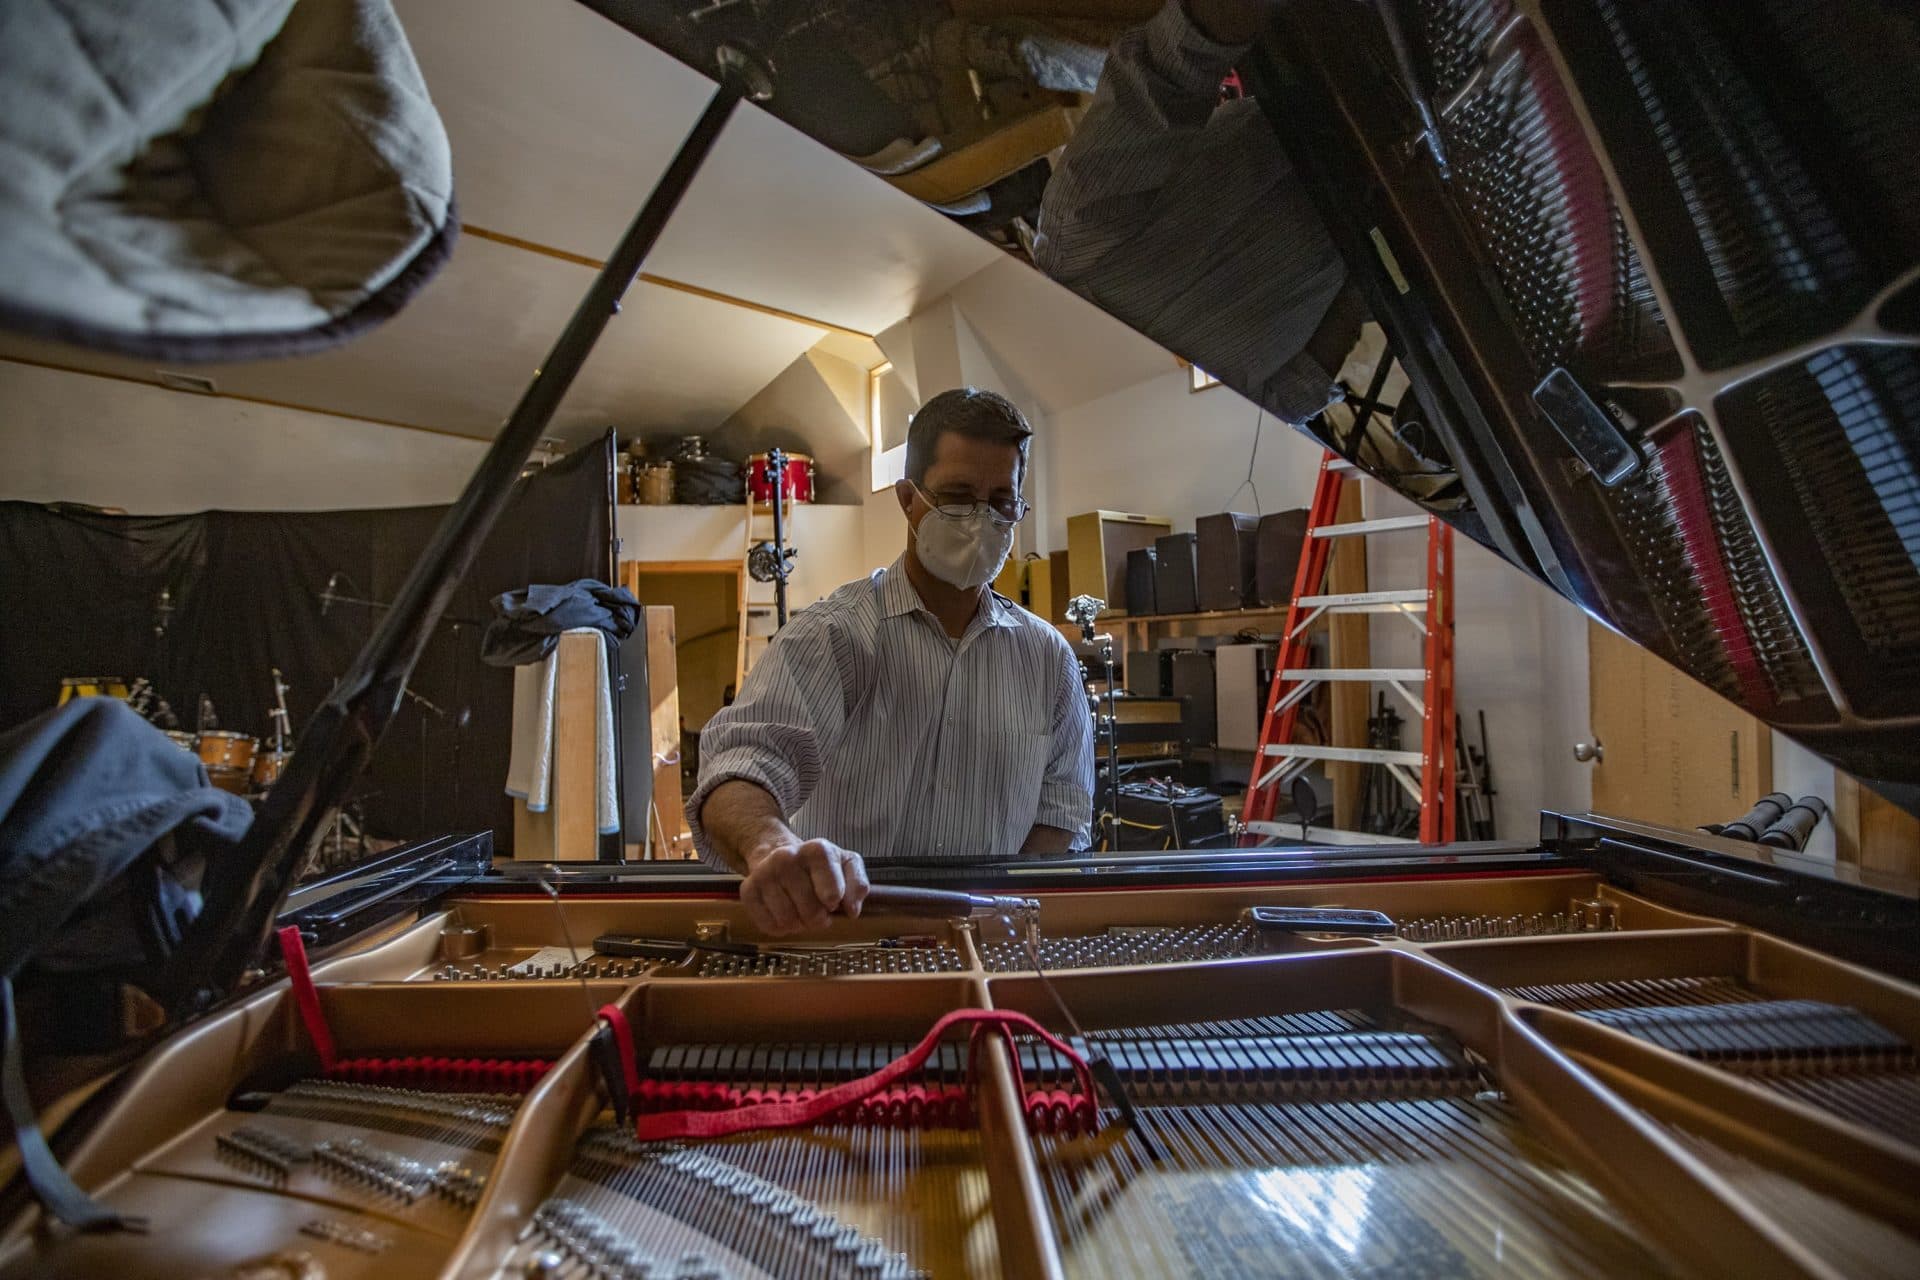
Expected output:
{"points": [[1326, 1106]]}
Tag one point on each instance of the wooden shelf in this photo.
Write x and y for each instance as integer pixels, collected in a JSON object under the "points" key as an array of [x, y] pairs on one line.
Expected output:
{"points": [[1222, 615], [1217, 615]]}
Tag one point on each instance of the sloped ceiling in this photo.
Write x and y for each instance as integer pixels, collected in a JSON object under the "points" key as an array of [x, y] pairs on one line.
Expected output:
{"points": [[560, 124]]}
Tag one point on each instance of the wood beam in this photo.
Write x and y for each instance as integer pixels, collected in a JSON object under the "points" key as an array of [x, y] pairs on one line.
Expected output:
{"points": [[661, 282], [1349, 644], [152, 385]]}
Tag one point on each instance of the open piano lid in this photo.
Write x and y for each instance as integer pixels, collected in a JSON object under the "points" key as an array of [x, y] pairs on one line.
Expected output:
{"points": [[1657, 290]]}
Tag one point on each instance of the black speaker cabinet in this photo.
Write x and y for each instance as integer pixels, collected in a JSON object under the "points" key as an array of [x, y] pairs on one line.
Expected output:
{"points": [[1173, 574], [1150, 672], [1224, 558], [1154, 817], [1277, 543], [1193, 679], [1140, 585]]}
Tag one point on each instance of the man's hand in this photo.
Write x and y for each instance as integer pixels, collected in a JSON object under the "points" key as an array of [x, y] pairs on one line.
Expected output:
{"points": [[793, 885]]}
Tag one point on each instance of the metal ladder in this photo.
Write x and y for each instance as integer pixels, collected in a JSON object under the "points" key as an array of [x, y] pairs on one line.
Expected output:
{"points": [[1429, 608]]}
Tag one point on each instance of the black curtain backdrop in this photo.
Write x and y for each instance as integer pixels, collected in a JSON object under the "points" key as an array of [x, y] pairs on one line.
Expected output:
{"points": [[79, 593]]}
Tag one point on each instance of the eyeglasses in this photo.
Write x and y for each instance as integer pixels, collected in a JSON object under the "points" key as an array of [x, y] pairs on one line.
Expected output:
{"points": [[964, 506]]}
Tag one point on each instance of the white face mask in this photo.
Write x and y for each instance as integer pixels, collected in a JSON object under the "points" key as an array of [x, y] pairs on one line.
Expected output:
{"points": [[967, 552]]}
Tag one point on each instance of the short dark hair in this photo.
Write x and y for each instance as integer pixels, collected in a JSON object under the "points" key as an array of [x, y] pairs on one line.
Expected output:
{"points": [[970, 412]]}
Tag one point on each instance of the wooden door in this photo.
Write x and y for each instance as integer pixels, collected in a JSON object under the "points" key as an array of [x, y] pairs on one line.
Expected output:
{"points": [[1667, 749]]}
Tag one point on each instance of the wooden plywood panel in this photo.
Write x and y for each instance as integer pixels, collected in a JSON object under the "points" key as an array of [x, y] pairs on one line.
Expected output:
{"points": [[670, 839], [1673, 751], [568, 830], [1349, 644], [663, 683], [1871, 832]]}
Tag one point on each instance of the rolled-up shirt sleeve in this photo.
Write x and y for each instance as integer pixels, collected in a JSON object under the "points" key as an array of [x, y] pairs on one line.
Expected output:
{"points": [[1066, 793], [781, 727]]}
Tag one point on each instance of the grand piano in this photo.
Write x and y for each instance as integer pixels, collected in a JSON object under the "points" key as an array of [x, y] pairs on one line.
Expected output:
{"points": [[1651, 270]]}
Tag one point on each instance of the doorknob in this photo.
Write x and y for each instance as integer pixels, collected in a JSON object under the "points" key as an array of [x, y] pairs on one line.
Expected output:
{"points": [[1586, 752]]}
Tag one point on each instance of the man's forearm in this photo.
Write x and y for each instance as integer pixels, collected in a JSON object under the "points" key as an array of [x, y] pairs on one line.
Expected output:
{"points": [[1046, 839], [740, 819]]}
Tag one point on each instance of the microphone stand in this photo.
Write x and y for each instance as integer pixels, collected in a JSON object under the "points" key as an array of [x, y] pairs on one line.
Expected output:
{"points": [[330, 597], [777, 463], [1083, 610]]}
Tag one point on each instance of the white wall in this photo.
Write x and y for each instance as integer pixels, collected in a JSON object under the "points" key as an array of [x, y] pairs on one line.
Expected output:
{"points": [[817, 406], [941, 349], [1520, 655], [79, 438], [1157, 448], [1799, 772], [827, 537]]}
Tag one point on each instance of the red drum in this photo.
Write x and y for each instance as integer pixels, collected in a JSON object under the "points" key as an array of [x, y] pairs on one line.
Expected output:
{"points": [[799, 479]]}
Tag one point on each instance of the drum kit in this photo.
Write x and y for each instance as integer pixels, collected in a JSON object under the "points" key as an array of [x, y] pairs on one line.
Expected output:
{"points": [[234, 760], [238, 762]]}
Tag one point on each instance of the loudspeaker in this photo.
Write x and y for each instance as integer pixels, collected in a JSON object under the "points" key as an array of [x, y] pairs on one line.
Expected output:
{"points": [[1224, 555], [1097, 546], [1150, 672], [1193, 679], [1047, 587], [1140, 582], [1277, 543], [1173, 574]]}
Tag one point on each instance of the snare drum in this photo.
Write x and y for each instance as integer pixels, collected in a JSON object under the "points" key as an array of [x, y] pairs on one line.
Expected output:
{"points": [[267, 768], [187, 742], [225, 749], [798, 481]]}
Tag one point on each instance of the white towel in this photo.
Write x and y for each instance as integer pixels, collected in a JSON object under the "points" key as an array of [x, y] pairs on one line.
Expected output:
{"points": [[530, 761]]}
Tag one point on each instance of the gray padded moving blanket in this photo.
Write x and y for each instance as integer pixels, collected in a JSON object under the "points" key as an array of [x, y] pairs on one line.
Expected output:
{"points": [[214, 179]]}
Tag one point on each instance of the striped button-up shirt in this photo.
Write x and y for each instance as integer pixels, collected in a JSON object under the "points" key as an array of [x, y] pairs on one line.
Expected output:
{"points": [[874, 729], [1182, 216]]}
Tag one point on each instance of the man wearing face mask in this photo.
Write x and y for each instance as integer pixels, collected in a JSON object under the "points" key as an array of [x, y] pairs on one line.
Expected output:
{"points": [[913, 714]]}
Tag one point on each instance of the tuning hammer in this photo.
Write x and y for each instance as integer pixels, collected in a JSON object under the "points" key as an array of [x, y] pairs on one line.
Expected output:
{"points": [[902, 900]]}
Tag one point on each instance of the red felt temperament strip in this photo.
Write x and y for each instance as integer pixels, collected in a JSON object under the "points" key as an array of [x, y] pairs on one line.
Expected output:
{"points": [[306, 996], [808, 1108], [623, 1037]]}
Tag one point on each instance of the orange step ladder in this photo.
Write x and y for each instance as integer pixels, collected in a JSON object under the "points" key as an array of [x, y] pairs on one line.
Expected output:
{"points": [[1429, 608]]}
